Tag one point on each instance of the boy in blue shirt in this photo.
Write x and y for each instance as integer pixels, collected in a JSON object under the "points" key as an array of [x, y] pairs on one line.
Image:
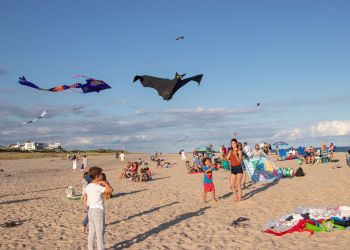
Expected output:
{"points": [[208, 179]]}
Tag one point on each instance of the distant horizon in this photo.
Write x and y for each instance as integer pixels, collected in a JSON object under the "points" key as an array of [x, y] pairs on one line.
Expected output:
{"points": [[338, 147]]}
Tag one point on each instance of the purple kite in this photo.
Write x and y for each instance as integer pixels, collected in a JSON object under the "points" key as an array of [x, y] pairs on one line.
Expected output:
{"points": [[91, 85]]}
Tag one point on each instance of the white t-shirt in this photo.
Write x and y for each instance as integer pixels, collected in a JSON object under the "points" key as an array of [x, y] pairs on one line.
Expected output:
{"points": [[122, 156], [291, 152], [94, 194], [247, 149]]}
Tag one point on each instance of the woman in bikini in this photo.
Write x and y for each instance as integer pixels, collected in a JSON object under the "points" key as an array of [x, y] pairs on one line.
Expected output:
{"points": [[234, 156]]}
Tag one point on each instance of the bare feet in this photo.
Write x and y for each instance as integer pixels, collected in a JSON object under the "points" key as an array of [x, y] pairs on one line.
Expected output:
{"points": [[83, 229]]}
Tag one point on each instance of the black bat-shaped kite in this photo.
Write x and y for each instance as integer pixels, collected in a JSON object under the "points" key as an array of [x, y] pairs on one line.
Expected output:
{"points": [[167, 87]]}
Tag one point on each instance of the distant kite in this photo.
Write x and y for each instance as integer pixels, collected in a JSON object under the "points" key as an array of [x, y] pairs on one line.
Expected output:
{"points": [[167, 87], [91, 85], [43, 114], [258, 104], [179, 38]]}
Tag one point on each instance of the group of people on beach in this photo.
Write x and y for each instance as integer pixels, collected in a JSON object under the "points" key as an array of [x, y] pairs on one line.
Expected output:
{"points": [[96, 188], [136, 171], [75, 160]]}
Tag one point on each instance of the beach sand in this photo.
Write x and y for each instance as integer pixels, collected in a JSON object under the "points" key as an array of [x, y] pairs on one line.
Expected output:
{"points": [[166, 213]]}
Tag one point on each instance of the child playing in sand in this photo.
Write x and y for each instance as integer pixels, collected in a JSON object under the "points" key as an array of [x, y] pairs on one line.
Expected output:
{"points": [[208, 179], [94, 193]]}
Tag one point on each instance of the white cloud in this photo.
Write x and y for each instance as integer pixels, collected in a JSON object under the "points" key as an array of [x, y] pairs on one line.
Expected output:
{"points": [[210, 111], [331, 128], [290, 134], [321, 129], [122, 101]]}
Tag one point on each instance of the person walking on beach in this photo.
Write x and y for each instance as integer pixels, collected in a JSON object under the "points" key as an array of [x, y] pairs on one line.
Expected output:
{"points": [[183, 155], [75, 163], [117, 157], [122, 157], [234, 157], [94, 193], [208, 179], [84, 166]]}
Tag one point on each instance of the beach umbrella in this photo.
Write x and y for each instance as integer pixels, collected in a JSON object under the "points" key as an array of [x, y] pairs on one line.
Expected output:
{"points": [[204, 150], [280, 143]]}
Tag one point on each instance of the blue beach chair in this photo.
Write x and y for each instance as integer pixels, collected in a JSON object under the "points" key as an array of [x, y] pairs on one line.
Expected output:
{"points": [[282, 154], [301, 151]]}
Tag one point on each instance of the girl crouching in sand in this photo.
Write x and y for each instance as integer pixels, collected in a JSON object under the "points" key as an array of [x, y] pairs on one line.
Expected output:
{"points": [[94, 193]]}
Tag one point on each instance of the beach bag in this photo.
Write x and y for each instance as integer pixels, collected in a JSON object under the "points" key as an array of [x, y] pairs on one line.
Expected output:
{"points": [[299, 172], [70, 192], [300, 161]]}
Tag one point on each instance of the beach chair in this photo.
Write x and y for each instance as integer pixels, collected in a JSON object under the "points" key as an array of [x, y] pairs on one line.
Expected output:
{"points": [[325, 156], [301, 151], [282, 154]]}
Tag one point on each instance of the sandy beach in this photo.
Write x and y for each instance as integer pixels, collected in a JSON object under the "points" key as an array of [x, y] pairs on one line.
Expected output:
{"points": [[166, 213]]}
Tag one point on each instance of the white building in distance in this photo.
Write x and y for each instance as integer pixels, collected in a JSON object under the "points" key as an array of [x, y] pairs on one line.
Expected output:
{"points": [[34, 146]]}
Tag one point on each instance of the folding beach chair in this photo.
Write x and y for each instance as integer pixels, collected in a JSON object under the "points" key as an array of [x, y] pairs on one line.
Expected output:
{"points": [[324, 156], [301, 151], [347, 158], [282, 154]]}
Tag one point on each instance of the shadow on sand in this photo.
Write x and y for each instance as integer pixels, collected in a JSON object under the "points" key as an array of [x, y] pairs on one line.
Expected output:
{"points": [[249, 184], [35, 191], [18, 201], [143, 236], [132, 192], [258, 190], [144, 212], [160, 178], [9, 224]]}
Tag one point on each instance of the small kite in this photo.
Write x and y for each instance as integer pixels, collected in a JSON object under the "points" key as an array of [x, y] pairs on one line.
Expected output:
{"points": [[167, 87], [179, 38], [43, 114], [91, 85], [258, 104]]}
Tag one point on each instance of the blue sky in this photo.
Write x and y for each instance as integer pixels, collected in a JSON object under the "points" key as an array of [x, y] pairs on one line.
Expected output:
{"points": [[290, 56]]}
